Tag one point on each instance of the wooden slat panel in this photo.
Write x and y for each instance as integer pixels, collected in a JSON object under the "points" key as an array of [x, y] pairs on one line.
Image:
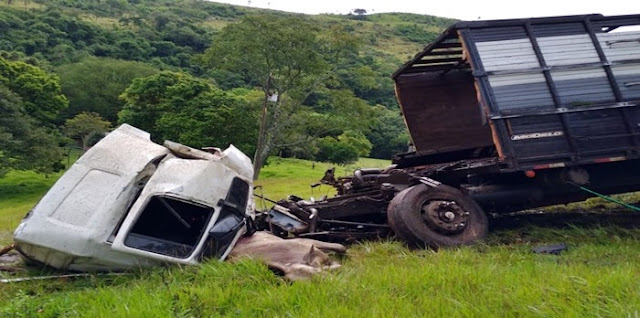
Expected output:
{"points": [[507, 55], [450, 45], [626, 76], [441, 111], [620, 46], [433, 61], [583, 87], [568, 50], [444, 52]]}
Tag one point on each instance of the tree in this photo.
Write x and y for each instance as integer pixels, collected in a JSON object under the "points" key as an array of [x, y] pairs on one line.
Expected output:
{"points": [[189, 110], [388, 135], [287, 58], [359, 11], [94, 85], [333, 150], [358, 141], [344, 149], [39, 91], [84, 126], [29, 100], [24, 143]]}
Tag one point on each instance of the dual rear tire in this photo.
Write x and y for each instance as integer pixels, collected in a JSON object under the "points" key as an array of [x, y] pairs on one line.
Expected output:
{"points": [[434, 217]]}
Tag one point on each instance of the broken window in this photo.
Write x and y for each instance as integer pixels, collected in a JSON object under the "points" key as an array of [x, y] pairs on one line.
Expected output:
{"points": [[169, 226], [231, 219]]}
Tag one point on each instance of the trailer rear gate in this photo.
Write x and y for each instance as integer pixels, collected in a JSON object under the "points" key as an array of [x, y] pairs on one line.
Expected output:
{"points": [[544, 92]]}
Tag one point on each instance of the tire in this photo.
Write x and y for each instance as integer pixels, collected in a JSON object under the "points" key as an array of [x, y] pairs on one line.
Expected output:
{"points": [[436, 217]]}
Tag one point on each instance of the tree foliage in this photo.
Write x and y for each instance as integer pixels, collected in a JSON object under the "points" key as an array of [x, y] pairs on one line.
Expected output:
{"points": [[30, 100], [94, 85], [84, 126], [333, 150], [331, 74], [24, 143], [39, 91], [286, 57], [388, 135], [358, 141], [182, 108]]}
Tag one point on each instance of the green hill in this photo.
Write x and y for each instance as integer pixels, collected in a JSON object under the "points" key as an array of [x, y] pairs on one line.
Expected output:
{"points": [[167, 34], [38, 26], [98, 47]]}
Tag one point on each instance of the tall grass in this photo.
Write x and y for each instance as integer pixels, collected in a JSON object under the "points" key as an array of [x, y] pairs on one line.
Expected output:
{"points": [[283, 177], [20, 191], [381, 279], [596, 277]]}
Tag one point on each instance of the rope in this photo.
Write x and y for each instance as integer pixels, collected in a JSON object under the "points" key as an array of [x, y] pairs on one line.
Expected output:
{"points": [[608, 198]]}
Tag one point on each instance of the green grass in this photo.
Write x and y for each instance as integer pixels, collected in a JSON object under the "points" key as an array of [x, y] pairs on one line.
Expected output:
{"points": [[283, 177], [596, 277], [19, 192]]}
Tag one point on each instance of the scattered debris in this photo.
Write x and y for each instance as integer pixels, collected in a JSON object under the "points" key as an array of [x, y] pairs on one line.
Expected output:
{"points": [[9, 259], [296, 258], [26, 279], [7, 249], [4, 268], [554, 249]]}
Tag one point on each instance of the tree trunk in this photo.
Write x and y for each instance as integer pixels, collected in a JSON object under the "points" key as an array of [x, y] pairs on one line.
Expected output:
{"points": [[85, 143], [257, 157], [268, 136], [258, 161]]}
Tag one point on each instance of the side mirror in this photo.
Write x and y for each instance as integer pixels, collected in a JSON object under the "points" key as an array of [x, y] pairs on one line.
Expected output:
{"points": [[221, 235]]}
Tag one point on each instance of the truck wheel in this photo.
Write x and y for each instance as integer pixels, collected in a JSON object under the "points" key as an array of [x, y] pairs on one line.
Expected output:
{"points": [[436, 217]]}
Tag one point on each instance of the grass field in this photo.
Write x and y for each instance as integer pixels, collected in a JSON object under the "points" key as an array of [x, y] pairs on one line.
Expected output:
{"points": [[283, 177], [597, 277]]}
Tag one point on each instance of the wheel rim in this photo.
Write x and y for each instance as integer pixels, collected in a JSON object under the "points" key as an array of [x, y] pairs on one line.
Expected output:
{"points": [[445, 217]]}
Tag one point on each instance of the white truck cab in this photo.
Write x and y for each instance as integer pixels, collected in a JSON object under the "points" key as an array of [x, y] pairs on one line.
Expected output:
{"points": [[129, 202]]}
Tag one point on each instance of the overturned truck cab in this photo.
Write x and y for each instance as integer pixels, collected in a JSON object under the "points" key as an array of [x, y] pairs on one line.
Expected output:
{"points": [[129, 202]]}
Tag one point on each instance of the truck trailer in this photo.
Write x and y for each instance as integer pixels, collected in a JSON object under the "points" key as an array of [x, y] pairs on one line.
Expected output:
{"points": [[504, 115]]}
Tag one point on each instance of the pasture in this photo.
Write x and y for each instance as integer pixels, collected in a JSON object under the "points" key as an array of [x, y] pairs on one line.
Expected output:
{"points": [[596, 277]]}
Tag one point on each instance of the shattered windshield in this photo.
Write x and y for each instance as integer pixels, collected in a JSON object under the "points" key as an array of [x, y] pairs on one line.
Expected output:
{"points": [[169, 226]]}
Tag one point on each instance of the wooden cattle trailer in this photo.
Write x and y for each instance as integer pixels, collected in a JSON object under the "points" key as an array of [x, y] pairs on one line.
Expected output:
{"points": [[504, 115], [543, 92], [557, 99]]}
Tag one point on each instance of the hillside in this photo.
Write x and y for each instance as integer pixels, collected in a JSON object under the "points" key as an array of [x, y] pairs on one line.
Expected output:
{"points": [[387, 35], [66, 31], [96, 48]]}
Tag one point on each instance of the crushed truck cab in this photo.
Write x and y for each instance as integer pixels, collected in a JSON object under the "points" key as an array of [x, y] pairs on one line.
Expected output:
{"points": [[129, 202]]}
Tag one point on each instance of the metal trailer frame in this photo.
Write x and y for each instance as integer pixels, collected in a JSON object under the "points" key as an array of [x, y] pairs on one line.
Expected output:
{"points": [[456, 50], [469, 148]]}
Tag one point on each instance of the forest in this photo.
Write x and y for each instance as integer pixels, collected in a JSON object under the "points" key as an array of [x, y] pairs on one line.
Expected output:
{"points": [[201, 73]]}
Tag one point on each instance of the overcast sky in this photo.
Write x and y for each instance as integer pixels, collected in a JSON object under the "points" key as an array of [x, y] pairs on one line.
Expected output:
{"points": [[458, 9]]}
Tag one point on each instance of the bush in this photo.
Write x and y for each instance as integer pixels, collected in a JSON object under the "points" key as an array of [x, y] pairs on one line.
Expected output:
{"points": [[334, 151]]}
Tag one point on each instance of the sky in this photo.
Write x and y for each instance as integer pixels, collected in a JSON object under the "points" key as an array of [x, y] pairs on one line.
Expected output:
{"points": [[458, 9]]}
